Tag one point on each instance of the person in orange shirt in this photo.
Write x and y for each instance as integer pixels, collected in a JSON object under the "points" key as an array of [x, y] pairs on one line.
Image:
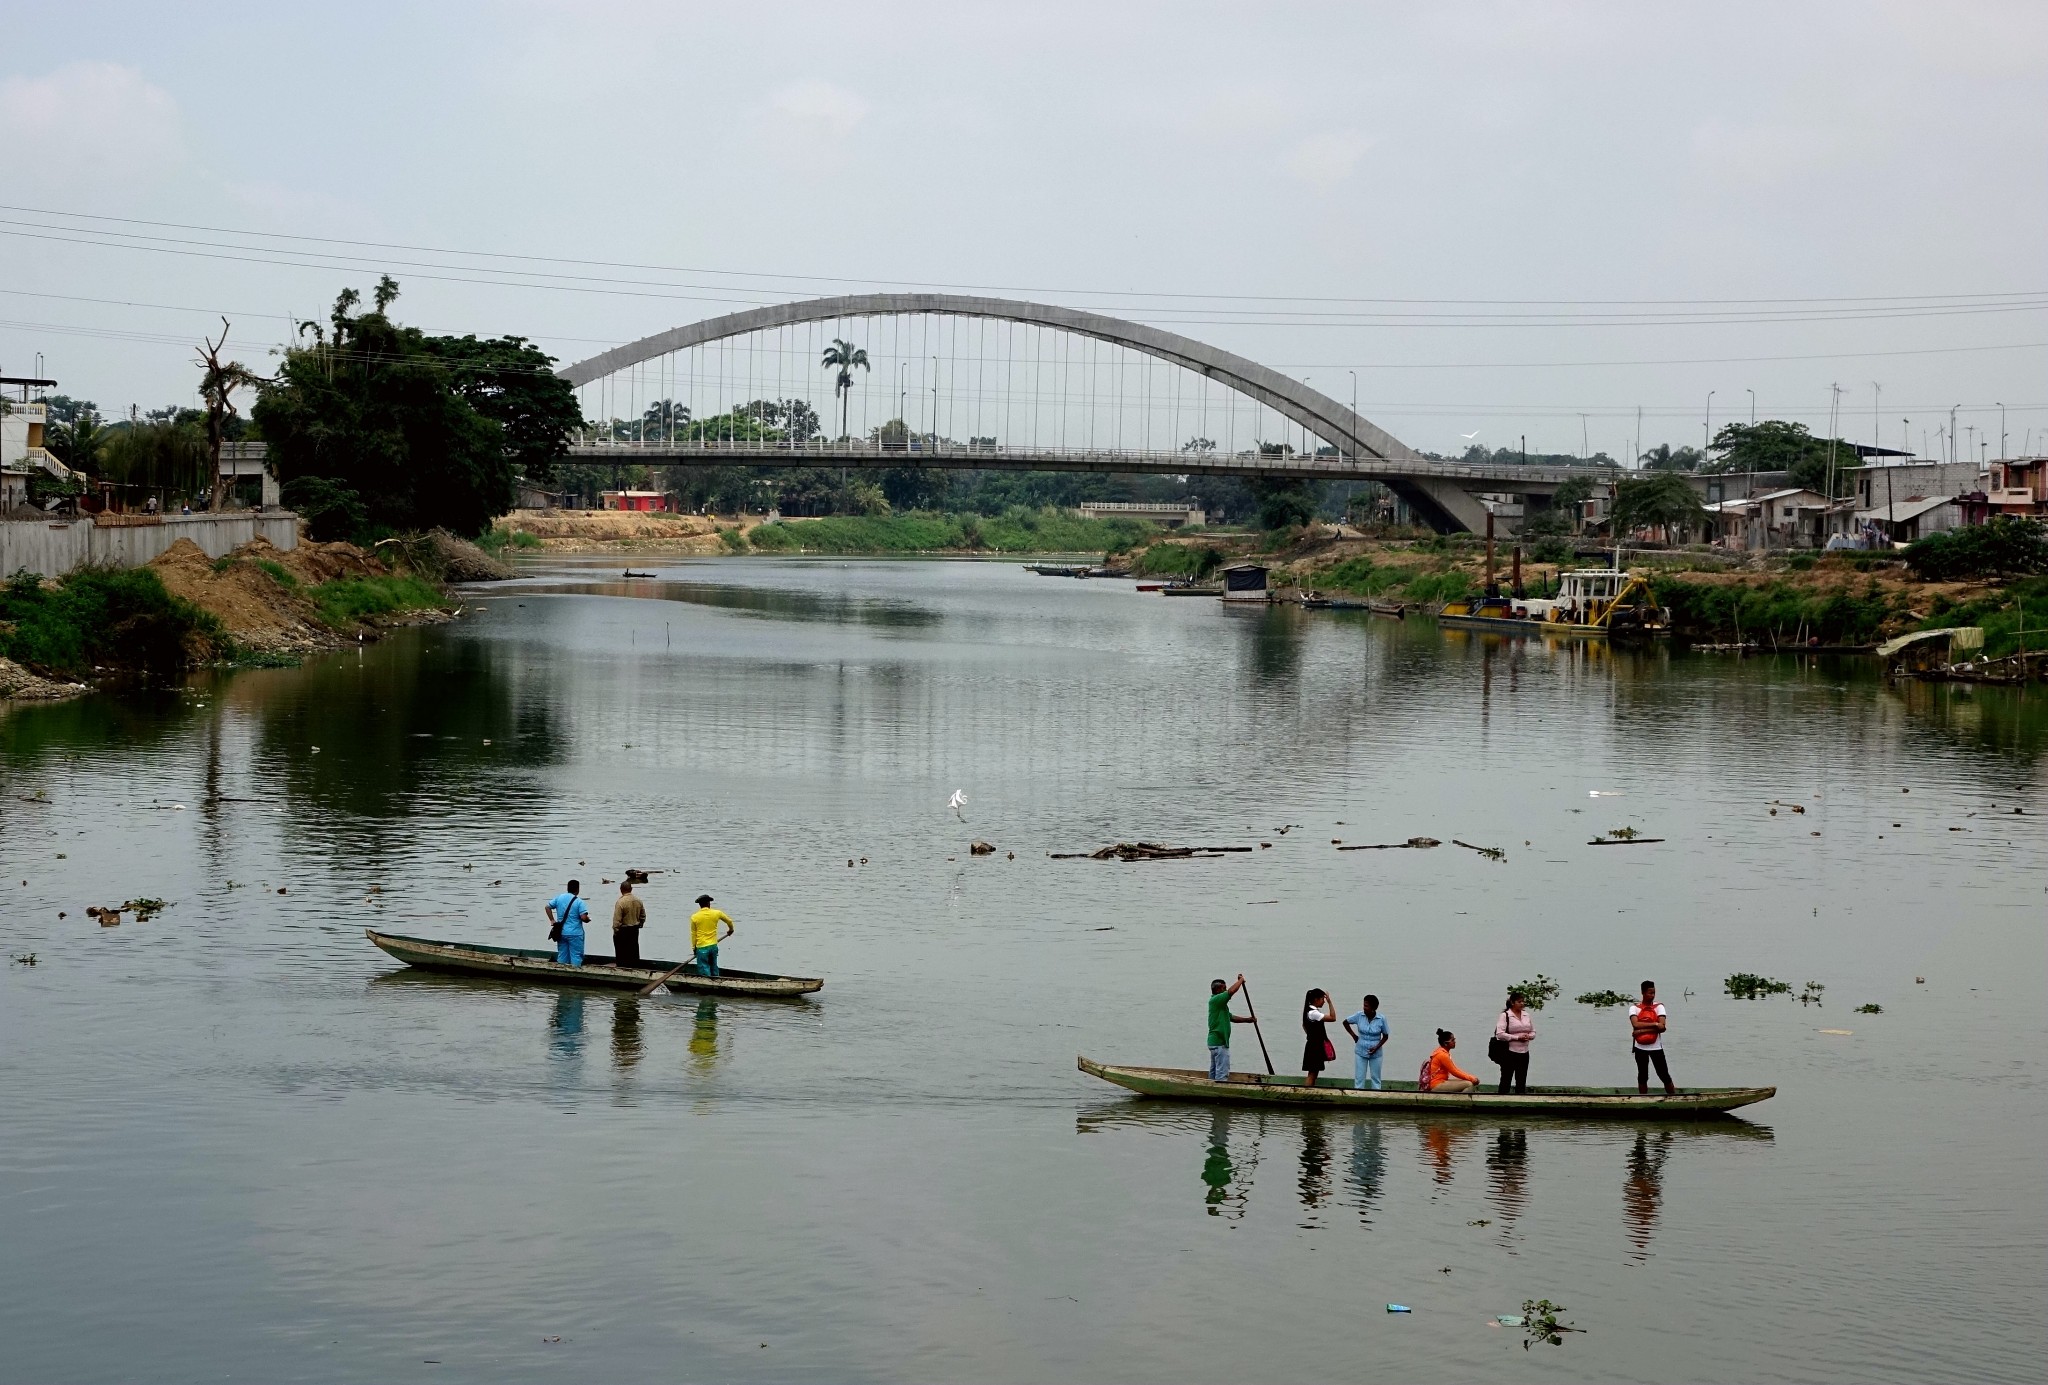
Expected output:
{"points": [[1440, 1074]]}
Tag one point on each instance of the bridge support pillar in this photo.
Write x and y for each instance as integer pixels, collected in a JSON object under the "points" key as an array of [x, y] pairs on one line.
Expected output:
{"points": [[1448, 506]]}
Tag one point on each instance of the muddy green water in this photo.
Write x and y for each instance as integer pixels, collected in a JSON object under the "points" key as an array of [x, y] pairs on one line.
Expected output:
{"points": [[240, 1143]]}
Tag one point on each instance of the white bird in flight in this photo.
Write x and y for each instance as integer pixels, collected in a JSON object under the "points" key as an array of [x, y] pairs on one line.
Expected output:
{"points": [[1469, 436], [957, 802]]}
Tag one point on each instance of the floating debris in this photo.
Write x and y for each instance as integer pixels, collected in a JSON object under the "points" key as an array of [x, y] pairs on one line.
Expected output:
{"points": [[24, 959], [1795, 807], [1146, 851], [1811, 995], [1602, 1000], [1870, 1009], [1843, 1032], [980, 848], [1419, 843], [1541, 1322], [1491, 853], [1744, 985]]}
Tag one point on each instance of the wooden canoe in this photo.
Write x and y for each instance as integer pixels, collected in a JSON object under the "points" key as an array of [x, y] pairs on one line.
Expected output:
{"points": [[540, 967], [1193, 1084]]}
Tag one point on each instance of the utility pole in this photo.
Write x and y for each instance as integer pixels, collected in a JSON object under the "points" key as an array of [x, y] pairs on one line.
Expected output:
{"points": [[1834, 429], [1876, 390], [1585, 443], [2001, 430], [1952, 431], [1707, 431], [1752, 408], [1639, 440]]}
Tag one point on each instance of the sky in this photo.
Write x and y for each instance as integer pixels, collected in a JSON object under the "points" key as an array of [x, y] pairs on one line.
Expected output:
{"points": [[1524, 220]]}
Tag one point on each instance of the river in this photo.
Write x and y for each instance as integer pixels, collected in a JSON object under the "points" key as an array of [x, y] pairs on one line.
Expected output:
{"points": [[241, 1142]]}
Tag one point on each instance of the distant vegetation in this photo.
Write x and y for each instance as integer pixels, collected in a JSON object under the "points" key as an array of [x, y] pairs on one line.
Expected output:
{"points": [[1776, 612], [2005, 546], [1016, 530], [1191, 561], [2003, 614]]}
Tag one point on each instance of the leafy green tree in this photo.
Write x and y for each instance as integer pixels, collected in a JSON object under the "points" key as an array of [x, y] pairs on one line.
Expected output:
{"points": [[1776, 445], [1660, 500], [375, 412], [1282, 503], [844, 357], [166, 459], [914, 487], [513, 382], [1664, 457], [2004, 546], [662, 420], [78, 440]]}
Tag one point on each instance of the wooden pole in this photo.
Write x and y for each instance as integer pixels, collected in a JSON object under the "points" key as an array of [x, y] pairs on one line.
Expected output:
{"points": [[1254, 1012]]}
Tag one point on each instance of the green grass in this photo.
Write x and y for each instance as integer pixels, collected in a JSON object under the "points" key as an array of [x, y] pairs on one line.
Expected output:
{"points": [[1361, 576], [280, 574], [1017, 530], [1188, 560], [496, 541], [734, 540], [1776, 611], [2000, 614], [352, 600], [1432, 587], [105, 618]]}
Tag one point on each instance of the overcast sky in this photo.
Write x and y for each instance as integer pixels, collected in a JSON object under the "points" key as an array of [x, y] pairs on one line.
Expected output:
{"points": [[1150, 160]]}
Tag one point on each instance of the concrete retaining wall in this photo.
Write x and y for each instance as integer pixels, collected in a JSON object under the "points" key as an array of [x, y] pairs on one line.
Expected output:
{"points": [[55, 547]]}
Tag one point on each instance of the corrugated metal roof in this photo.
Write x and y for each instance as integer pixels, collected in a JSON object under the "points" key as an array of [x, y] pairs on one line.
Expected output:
{"points": [[1904, 509]]}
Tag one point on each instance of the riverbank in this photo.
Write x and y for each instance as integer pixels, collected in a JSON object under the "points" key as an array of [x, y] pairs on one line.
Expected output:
{"points": [[1019, 531], [258, 605], [1777, 599]]}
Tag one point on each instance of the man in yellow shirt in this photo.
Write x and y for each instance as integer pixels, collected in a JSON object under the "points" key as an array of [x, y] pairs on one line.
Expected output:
{"points": [[705, 937]]}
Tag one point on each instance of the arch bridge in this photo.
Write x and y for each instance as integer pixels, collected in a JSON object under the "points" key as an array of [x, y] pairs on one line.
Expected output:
{"points": [[1088, 416]]}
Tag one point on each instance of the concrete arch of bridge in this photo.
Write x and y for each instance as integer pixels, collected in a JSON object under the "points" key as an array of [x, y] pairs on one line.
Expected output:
{"points": [[1442, 493]]}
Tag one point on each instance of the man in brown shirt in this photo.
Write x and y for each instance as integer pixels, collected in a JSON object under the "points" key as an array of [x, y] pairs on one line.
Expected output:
{"points": [[628, 916]]}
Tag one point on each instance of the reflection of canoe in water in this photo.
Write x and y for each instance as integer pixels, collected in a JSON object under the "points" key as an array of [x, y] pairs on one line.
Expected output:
{"points": [[540, 967], [1190, 589], [1316, 600], [1193, 1084]]}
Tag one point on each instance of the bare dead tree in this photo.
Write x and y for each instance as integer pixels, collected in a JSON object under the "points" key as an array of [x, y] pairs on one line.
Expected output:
{"points": [[217, 384]]}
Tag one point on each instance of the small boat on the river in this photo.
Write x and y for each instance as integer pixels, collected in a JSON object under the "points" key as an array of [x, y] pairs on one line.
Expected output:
{"points": [[1193, 1084], [631, 573], [1317, 601], [540, 967], [1190, 589]]}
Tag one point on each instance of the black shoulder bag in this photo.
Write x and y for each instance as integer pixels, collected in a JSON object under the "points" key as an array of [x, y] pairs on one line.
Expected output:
{"points": [[1497, 1047], [555, 932]]}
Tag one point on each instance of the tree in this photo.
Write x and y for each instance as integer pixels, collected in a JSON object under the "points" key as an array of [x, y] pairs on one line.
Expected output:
{"points": [[914, 487], [1663, 500], [77, 441], [662, 419], [512, 381], [218, 382], [1282, 503], [1663, 457], [1775, 445], [844, 357], [376, 413], [169, 459]]}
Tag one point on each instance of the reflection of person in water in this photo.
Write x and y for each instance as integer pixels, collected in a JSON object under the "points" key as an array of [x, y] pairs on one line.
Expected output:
{"points": [[704, 1034], [1315, 1162], [1368, 1164], [1642, 1192], [1440, 1147], [1507, 1172], [1216, 1167], [626, 1032], [565, 1024]]}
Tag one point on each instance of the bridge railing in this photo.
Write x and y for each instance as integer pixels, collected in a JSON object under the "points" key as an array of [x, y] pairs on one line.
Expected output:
{"points": [[920, 452]]}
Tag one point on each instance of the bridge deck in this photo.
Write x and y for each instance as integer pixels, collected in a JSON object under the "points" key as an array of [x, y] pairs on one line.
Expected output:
{"points": [[1539, 480]]}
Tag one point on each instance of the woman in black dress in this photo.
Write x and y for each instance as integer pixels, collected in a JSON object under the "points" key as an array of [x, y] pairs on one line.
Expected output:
{"points": [[1316, 1050]]}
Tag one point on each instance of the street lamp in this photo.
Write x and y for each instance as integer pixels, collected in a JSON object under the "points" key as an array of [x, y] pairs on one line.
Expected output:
{"points": [[1952, 431], [2001, 430], [1585, 445], [1752, 408]]}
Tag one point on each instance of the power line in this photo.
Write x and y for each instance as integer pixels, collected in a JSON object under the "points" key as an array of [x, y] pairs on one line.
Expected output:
{"points": [[994, 288]]}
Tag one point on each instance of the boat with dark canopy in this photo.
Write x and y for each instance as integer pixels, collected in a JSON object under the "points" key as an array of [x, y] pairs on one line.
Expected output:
{"points": [[540, 967], [1259, 1089]]}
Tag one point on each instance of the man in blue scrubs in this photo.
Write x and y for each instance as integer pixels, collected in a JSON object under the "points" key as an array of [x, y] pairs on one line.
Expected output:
{"points": [[1369, 1038], [567, 913]]}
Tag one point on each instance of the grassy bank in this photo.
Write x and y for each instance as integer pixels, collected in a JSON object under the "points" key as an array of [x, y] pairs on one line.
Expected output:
{"points": [[117, 619], [1014, 531], [1189, 561], [1779, 612], [2005, 615], [350, 601], [1426, 582]]}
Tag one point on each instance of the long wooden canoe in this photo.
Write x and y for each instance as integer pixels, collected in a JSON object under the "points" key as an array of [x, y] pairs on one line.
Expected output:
{"points": [[1193, 1084], [540, 967]]}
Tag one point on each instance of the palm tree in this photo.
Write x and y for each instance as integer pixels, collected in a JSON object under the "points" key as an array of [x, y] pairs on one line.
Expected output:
{"points": [[846, 357]]}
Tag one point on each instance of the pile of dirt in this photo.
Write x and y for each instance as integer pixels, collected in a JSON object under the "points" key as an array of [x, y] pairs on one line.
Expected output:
{"points": [[257, 610], [458, 560], [603, 531], [19, 685]]}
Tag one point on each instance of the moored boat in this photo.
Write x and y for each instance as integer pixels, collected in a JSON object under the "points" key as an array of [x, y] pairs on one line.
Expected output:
{"points": [[540, 967], [1193, 1084]]}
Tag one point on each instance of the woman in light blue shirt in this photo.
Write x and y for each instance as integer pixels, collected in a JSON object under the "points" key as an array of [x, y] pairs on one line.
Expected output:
{"points": [[1368, 1033]]}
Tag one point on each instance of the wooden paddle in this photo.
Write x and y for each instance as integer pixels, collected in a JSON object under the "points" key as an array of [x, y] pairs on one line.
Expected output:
{"points": [[1254, 1012], [651, 987]]}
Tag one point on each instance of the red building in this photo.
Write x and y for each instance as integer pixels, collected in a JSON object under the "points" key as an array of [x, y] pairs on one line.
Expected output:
{"points": [[650, 501]]}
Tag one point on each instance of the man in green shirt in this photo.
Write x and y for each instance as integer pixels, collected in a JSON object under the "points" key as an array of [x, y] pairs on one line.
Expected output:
{"points": [[1220, 1020]]}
